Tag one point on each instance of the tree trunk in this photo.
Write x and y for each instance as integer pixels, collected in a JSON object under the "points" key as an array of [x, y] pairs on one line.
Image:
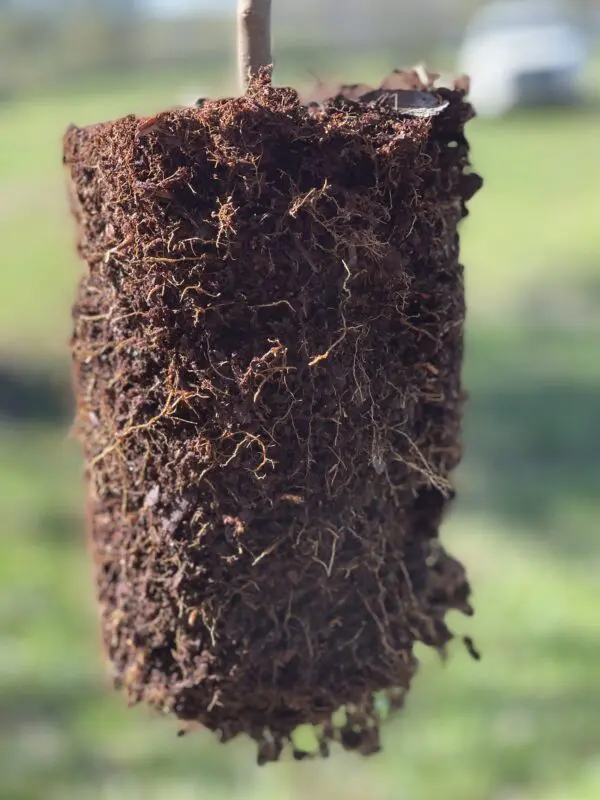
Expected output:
{"points": [[254, 38]]}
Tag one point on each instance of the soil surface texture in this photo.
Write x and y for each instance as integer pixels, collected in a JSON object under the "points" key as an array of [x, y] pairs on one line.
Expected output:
{"points": [[267, 354]]}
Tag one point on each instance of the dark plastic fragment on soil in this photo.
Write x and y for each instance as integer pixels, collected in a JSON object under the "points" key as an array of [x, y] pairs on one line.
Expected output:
{"points": [[267, 359], [407, 102]]}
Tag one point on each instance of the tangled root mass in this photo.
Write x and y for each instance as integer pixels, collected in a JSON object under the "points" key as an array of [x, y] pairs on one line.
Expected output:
{"points": [[267, 355]]}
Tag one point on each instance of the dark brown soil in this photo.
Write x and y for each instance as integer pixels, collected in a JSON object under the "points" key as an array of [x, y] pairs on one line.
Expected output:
{"points": [[267, 351]]}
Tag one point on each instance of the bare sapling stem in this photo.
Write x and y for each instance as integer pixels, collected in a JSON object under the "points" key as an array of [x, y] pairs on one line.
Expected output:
{"points": [[254, 38]]}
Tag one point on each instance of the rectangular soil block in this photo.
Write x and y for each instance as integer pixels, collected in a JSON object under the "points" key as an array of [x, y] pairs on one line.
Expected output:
{"points": [[267, 354]]}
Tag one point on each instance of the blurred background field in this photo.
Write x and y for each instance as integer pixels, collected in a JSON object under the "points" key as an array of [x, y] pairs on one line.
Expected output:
{"points": [[521, 725]]}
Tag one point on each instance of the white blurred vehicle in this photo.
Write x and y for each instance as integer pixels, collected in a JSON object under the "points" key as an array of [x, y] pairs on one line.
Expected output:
{"points": [[523, 53]]}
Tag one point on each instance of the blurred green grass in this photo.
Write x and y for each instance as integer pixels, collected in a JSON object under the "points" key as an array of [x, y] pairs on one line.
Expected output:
{"points": [[522, 724]]}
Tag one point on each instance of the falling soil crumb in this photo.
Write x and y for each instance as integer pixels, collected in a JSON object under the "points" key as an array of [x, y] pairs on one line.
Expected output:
{"points": [[471, 648], [267, 353]]}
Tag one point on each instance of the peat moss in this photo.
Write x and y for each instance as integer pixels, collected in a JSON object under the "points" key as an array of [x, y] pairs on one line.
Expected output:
{"points": [[267, 358]]}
